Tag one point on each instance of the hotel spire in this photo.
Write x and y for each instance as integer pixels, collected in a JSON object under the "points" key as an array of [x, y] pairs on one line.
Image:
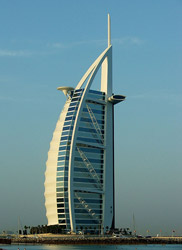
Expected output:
{"points": [[109, 31]]}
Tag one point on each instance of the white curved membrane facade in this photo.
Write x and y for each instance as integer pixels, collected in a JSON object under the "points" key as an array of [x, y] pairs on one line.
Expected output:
{"points": [[51, 170], [79, 184]]}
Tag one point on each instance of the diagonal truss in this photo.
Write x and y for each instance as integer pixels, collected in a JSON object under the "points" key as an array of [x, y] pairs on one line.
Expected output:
{"points": [[87, 207], [95, 123], [90, 168]]}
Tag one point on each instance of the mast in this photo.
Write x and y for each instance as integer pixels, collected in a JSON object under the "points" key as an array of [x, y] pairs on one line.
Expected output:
{"points": [[134, 225], [109, 31]]}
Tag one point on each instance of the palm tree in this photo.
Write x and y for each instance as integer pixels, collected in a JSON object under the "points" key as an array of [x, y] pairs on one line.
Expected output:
{"points": [[38, 229], [25, 230]]}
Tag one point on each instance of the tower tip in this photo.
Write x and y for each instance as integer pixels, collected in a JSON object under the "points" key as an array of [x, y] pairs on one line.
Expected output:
{"points": [[109, 30]]}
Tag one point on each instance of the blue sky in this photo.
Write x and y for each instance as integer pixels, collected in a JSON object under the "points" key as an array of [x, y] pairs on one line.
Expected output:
{"points": [[45, 44]]}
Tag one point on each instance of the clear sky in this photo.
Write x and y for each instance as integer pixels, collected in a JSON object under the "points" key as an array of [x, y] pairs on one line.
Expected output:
{"points": [[45, 44]]}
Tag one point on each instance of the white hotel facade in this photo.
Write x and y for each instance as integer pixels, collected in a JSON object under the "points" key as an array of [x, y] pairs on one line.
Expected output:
{"points": [[79, 177]]}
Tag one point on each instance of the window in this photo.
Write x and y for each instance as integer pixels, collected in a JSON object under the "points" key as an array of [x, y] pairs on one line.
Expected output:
{"points": [[63, 138], [66, 132], [61, 189], [61, 210], [60, 173], [95, 111], [78, 90], [62, 143], [83, 119], [60, 205], [86, 195], [91, 150], [90, 160], [62, 168], [73, 104], [67, 123], [60, 179], [70, 113], [61, 215], [75, 99], [67, 128], [93, 201], [96, 92], [77, 94], [89, 140], [84, 211], [91, 221], [90, 130], [98, 156], [64, 148], [61, 153], [60, 195], [62, 200], [85, 170], [73, 109], [60, 163], [86, 180], [59, 184], [70, 118]]}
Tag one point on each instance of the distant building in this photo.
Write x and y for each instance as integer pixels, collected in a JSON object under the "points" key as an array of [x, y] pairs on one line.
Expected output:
{"points": [[79, 178]]}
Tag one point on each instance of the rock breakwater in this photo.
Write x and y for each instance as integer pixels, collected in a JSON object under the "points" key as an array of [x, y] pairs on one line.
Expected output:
{"points": [[97, 240]]}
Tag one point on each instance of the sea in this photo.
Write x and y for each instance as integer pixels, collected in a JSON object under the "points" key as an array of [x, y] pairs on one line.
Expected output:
{"points": [[91, 247]]}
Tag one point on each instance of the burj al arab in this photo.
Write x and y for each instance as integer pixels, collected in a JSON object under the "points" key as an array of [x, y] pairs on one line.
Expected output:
{"points": [[79, 177]]}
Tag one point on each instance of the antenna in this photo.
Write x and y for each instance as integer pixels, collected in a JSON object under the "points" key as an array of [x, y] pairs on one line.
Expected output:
{"points": [[134, 225], [109, 31]]}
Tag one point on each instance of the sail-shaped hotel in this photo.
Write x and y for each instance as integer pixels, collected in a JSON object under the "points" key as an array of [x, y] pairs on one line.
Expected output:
{"points": [[79, 177]]}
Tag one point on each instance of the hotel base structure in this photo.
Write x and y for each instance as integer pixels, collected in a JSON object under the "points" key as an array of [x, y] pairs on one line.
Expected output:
{"points": [[79, 177]]}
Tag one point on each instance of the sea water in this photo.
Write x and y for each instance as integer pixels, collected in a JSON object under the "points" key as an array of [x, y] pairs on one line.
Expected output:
{"points": [[91, 247]]}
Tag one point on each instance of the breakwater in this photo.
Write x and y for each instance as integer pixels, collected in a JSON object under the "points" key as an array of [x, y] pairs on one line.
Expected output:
{"points": [[97, 240], [5, 241]]}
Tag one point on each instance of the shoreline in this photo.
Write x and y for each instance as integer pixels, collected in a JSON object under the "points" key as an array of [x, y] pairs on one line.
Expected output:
{"points": [[91, 240]]}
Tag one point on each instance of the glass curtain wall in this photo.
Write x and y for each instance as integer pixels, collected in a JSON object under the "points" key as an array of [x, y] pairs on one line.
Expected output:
{"points": [[88, 163]]}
